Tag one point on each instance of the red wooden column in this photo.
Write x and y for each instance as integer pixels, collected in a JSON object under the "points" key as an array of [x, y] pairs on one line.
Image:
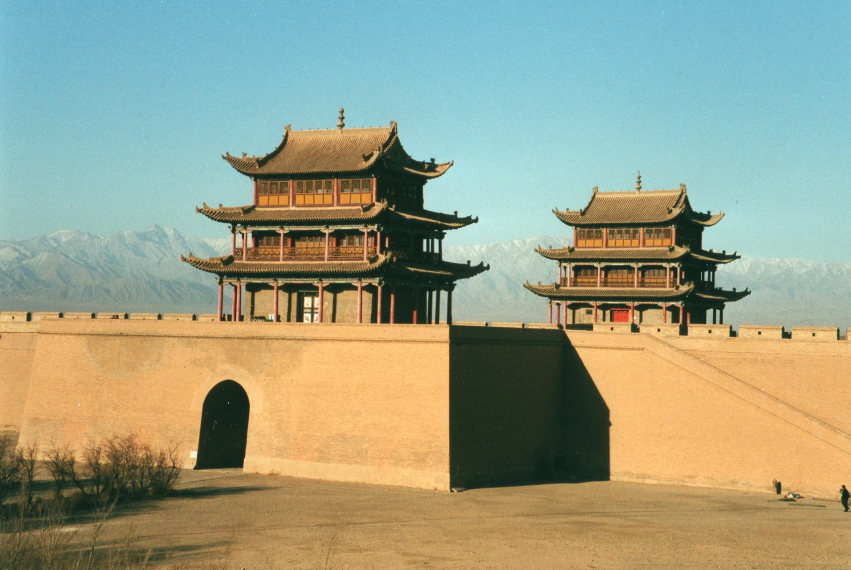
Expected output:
{"points": [[681, 313], [360, 302], [449, 307], [635, 275], [233, 303], [565, 316], [365, 242], [595, 311], [275, 317], [664, 312], [220, 301], [321, 301], [281, 233], [244, 245], [599, 274], [558, 312], [327, 240], [632, 313], [393, 306], [551, 311], [239, 301], [379, 293], [378, 242], [437, 307], [233, 242], [429, 307]]}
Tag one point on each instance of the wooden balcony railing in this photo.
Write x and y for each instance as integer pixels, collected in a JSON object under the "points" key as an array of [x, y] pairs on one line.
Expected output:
{"points": [[273, 253], [650, 282]]}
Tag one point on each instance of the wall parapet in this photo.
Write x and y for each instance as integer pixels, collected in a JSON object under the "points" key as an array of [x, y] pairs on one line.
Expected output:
{"points": [[815, 333], [798, 333], [761, 331]]}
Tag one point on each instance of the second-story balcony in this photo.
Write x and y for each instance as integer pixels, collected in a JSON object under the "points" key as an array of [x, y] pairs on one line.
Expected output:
{"points": [[335, 253], [650, 282]]}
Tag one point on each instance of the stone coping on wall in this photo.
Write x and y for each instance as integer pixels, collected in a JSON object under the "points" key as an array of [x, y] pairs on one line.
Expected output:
{"points": [[613, 327], [815, 333], [761, 331], [710, 331], [798, 333], [661, 329]]}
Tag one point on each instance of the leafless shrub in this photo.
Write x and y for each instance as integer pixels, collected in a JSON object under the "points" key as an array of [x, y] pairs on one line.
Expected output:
{"points": [[116, 469], [17, 472], [35, 535]]}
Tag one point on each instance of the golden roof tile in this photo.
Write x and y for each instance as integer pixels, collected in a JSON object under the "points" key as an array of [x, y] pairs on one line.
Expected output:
{"points": [[336, 150], [637, 207]]}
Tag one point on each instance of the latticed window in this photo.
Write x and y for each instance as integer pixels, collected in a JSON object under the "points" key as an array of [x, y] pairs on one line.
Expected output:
{"points": [[585, 276], [352, 240], [657, 236], [356, 191], [619, 277], [269, 240], [588, 237], [653, 277], [623, 237], [310, 242], [314, 192], [273, 193]]}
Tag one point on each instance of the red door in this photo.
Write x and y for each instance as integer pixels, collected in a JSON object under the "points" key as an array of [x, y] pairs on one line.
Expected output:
{"points": [[620, 315]]}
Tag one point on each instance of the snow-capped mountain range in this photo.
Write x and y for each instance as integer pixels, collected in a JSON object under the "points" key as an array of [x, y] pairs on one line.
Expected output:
{"points": [[141, 271]]}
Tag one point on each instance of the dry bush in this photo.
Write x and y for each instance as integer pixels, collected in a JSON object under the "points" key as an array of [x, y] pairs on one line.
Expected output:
{"points": [[116, 469], [17, 472], [113, 470]]}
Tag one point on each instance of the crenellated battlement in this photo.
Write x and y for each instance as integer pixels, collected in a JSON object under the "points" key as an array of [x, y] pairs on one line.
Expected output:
{"points": [[745, 331], [35, 316]]}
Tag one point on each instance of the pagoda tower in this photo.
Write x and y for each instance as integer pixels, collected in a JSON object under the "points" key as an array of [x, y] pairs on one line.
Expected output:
{"points": [[637, 257], [336, 232]]}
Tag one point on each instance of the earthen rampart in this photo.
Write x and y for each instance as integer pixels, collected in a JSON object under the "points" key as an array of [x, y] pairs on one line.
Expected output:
{"points": [[437, 406]]}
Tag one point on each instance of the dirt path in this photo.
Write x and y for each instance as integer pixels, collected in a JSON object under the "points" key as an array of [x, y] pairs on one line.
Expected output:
{"points": [[232, 520]]}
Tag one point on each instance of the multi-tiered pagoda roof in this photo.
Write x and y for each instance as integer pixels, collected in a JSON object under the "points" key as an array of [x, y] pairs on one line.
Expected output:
{"points": [[637, 256], [336, 211]]}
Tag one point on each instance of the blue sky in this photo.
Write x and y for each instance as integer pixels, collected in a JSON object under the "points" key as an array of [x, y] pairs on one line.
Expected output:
{"points": [[115, 114]]}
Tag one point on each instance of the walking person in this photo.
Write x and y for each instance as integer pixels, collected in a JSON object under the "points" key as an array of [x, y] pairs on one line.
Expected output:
{"points": [[843, 497]]}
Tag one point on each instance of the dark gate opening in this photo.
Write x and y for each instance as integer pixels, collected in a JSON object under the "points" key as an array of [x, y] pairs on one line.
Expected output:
{"points": [[224, 427]]}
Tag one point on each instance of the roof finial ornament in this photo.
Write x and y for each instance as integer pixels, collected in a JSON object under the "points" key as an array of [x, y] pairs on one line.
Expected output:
{"points": [[340, 122], [638, 182]]}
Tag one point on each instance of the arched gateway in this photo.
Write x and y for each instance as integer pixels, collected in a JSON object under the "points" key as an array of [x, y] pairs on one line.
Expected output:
{"points": [[224, 427]]}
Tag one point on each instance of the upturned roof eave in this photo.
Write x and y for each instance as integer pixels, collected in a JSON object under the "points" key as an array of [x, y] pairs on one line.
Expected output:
{"points": [[229, 267], [377, 212], [612, 293]]}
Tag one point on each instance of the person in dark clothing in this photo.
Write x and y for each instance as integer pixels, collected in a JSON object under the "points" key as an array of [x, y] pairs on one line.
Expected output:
{"points": [[843, 497]]}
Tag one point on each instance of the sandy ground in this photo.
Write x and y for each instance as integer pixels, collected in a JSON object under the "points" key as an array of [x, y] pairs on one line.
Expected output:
{"points": [[227, 519]]}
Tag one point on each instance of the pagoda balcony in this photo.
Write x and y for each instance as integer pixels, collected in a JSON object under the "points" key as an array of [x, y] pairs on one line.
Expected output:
{"points": [[649, 282], [335, 253]]}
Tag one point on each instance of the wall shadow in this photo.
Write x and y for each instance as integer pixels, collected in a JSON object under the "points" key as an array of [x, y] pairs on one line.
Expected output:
{"points": [[523, 411], [586, 422]]}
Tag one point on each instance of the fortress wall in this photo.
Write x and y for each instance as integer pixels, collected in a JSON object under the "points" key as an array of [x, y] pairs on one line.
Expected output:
{"points": [[17, 347], [372, 409], [434, 406], [678, 417], [506, 400], [812, 376]]}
